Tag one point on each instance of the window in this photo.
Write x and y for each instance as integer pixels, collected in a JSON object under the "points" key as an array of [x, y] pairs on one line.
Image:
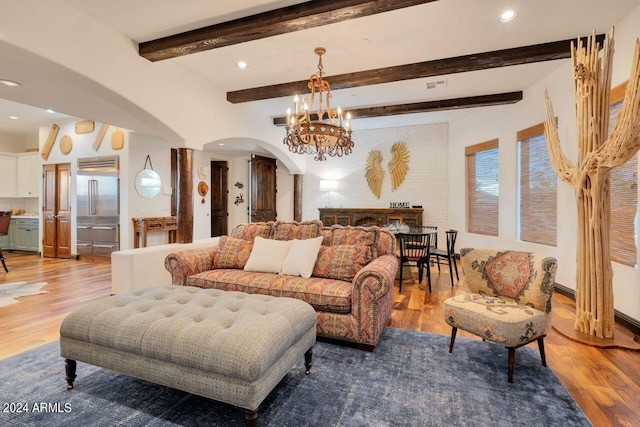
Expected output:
{"points": [[624, 197], [482, 188], [538, 189]]}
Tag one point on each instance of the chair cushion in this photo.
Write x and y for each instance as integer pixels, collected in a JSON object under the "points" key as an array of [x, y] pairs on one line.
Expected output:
{"points": [[348, 235], [341, 262], [302, 257], [283, 230], [525, 277], [495, 319], [250, 231], [267, 255], [326, 295], [232, 252]]}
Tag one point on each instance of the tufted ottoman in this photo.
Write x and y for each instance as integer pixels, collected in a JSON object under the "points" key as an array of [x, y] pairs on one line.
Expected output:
{"points": [[227, 346]]}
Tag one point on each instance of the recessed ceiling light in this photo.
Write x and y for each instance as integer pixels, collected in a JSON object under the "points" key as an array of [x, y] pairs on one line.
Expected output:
{"points": [[221, 143], [242, 65], [50, 111], [13, 117], [9, 83], [507, 15]]}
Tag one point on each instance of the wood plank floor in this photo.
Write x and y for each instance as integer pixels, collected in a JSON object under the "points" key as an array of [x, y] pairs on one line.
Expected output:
{"points": [[605, 383]]}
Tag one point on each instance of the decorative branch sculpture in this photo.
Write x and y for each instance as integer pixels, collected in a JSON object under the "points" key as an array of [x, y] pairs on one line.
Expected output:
{"points": [[589, 177]]}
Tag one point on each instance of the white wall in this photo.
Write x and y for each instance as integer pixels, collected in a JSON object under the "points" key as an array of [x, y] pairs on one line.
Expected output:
{"points": [[426, 182], [17, 143], [138, 147], [503, 122], [238, 172], [125, 89]]}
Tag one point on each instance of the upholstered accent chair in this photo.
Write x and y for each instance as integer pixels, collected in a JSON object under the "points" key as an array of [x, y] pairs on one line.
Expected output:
{"points": [[509, 299]]}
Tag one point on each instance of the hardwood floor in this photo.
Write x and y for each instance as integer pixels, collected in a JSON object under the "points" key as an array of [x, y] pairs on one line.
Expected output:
{"points": [[605, 383]]}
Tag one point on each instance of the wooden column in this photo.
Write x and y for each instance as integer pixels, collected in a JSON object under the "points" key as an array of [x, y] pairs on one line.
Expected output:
{"points": [[297, 197], [185, 196]]}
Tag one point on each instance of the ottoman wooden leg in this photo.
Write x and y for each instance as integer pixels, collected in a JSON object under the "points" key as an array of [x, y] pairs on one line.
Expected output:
{"points": [[251, 418], [308, 362], [70, 371]]}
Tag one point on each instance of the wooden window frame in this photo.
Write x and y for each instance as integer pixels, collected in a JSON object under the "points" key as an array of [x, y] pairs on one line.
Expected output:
{"points": [[623, 212], [537, 207], [491, 226]]}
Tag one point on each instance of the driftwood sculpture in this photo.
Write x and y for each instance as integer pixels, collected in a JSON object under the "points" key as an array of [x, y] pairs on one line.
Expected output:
{"points": [[589, 176], [374, 173], [399, 164]]}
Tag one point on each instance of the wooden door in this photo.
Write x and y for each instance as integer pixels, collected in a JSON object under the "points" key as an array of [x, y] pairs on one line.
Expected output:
{"points": [[49, 213], [219, 197], [263, 188], [56, 211], [63, 231]]}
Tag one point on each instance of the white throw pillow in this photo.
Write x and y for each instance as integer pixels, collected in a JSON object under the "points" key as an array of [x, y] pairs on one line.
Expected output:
{"points": [[302, 257], [267, 255]]}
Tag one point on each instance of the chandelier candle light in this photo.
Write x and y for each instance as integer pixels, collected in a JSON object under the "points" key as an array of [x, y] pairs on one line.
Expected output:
{"points": [[332, 137]]}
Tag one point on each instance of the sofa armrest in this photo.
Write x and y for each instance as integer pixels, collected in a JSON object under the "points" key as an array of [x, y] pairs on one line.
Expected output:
{"points": [[382, 271], [182, 264]]}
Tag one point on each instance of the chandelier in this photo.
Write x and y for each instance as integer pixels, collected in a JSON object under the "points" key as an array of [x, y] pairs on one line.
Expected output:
{"points": [[319, 137]]}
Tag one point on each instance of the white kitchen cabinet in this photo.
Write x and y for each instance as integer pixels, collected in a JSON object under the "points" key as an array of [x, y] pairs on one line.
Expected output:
{"points": [[28, 175], [8, 175]]}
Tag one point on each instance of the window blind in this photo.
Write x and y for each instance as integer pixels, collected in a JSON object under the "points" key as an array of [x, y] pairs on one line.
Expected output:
{"points": [[538, 189], [624, 197], [482, 188]]}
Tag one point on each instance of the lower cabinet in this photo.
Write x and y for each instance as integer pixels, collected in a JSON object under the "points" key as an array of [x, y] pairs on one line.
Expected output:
{"points": [[23, 235]]}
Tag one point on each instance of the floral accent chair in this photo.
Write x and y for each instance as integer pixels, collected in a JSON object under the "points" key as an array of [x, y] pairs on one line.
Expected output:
{"points": [[509, 300]]}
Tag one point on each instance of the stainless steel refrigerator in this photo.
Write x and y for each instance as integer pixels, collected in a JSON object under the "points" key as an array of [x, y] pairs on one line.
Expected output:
{"points": [[98, 201]]}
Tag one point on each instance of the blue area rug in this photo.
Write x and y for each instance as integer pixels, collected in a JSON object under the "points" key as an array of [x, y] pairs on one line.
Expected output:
{"points": [[410, 380]]}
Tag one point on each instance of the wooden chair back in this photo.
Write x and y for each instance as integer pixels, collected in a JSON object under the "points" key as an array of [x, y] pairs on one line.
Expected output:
{"points": [[5, 219]]}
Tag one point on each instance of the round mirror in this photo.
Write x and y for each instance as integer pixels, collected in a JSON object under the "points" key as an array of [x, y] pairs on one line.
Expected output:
{"points": [[148, 183]]}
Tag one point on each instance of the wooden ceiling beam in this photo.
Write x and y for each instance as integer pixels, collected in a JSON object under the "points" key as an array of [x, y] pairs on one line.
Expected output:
{"points": [[428, 106], [272, 23], [459, 64]]}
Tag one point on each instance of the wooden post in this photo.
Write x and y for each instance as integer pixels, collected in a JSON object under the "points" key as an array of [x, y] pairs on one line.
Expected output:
{"points": [[297, 197], [597, 155], [185, 196]]}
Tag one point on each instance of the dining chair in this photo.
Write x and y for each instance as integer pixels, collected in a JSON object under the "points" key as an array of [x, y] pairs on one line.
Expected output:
{"points": [[434, 236], [413, 248], [448, 256], [5, 219]]}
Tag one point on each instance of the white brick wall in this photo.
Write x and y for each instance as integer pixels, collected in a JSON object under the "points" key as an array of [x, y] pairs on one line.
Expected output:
{"points": [[426, 182]]}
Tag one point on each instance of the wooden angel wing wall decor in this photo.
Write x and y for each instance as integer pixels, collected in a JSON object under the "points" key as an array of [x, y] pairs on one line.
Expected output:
{"points": [[374, 173], [398, 168], [399, 164]]}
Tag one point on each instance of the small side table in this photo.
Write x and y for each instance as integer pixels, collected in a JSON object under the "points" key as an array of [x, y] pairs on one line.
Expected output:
{"points": [[142, 226]]}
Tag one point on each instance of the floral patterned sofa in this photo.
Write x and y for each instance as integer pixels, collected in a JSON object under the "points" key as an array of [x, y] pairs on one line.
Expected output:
{"points": [[351, 286]]}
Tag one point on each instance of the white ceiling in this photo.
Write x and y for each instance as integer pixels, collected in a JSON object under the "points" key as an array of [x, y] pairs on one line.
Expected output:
{"points": [[441, 29]]}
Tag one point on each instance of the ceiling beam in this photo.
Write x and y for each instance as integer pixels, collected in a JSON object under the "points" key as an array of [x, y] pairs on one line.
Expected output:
{"points": [[272, 23], [459, 64], [428, 106]]}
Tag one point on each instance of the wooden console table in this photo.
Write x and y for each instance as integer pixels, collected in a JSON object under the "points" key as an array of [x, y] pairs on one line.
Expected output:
{"points": [[142, 226], [370, 216]]}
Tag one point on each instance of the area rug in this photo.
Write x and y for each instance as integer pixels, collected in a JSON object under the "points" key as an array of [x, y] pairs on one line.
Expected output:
{"points": [[10, 291], [409, 380]]}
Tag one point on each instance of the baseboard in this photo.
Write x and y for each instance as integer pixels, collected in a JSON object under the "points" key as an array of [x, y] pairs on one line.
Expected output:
{"points": [[622, 319]]}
